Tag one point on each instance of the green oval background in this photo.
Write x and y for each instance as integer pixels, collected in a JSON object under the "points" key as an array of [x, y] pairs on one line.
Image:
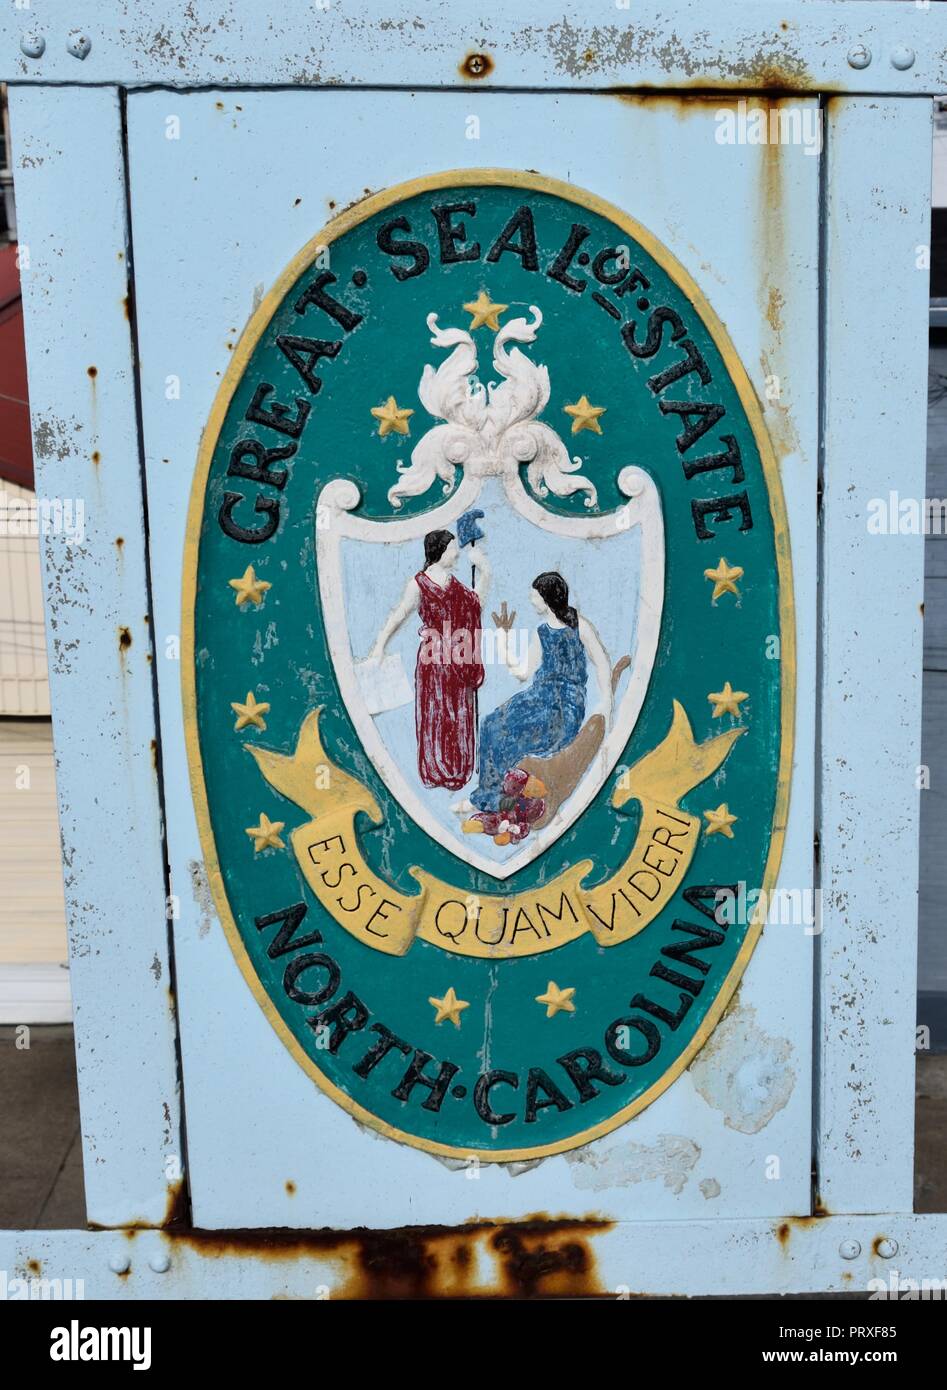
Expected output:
{"points": [[279, 651]]}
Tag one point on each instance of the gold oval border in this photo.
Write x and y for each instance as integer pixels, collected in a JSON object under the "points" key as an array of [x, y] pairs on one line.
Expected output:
{"points": [[251, 335]]}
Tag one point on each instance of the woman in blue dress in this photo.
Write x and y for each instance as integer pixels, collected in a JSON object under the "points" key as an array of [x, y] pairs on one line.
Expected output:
{"points": [[547, 716]]}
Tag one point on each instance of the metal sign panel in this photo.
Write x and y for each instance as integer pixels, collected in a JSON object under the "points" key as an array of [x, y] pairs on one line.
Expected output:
{"points": [[522, 911], [724, 1118], [165, 288]]}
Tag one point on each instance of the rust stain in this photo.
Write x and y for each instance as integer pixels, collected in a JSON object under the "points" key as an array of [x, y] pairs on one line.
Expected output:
{"points": [[541, 1256], [124, 638], [154, 754], [92, 372], [677, 104], [96, 457], [178, 1211], [125, 307], [477, 66], [785, 1228], [34, 1267], [290, 1187], [119, 541]]}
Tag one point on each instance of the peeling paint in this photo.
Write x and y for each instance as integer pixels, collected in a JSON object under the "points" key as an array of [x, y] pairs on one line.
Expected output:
{"points": [[202, 896], [744, 1073], [670, 1160]]}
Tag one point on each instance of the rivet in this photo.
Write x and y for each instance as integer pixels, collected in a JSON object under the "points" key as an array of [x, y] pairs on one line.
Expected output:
{"points": [[887, 1248], [33, 45], [859, 56], [119, 1263], [79, 44], [850, 1249], [160, 1263], [902, 57]]}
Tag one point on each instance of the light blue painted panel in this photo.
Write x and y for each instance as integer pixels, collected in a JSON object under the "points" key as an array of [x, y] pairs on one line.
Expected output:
{"points": [[877, 222], [671, 1259], [71, 215], [591, 45], [217, 214]]}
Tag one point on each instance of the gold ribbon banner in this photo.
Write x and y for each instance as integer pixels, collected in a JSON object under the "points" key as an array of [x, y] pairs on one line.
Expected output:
{"points": [[495, 925]]}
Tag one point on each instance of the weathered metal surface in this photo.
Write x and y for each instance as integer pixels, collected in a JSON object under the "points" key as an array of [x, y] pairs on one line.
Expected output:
{"points": [[733, 1134], [877, 228], [692, 1147], [541, 1258], [827, 45], [73, 255]]}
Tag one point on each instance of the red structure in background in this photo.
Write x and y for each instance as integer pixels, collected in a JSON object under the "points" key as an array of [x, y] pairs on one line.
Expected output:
{"points": [[16, 450]]}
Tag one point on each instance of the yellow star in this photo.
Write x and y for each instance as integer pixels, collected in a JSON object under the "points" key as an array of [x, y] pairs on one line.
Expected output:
{"points": [[727, 701], [391, 416], [449, 1007], [556, 999], [585, 416], [720, 821], [249, 588], [266, 834], [485, 312], [724, 577], [250, 713]]}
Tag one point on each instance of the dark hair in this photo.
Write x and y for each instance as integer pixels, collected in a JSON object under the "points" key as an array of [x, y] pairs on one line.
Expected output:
{"points": [[435, 543], [554, 591]]}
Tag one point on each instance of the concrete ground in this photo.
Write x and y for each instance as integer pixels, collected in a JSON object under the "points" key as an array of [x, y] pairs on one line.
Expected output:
{"points": [[41, 1155]]}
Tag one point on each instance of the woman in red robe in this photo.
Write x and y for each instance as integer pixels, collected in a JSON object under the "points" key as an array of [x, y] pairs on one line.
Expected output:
{"points": [[449, 669]]}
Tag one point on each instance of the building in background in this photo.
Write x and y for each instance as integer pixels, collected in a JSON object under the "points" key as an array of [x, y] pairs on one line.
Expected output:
{"points": [[34, 980]]}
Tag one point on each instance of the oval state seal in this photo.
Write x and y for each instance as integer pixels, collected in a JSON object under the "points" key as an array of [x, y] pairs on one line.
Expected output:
{"points": [[488, 663]]}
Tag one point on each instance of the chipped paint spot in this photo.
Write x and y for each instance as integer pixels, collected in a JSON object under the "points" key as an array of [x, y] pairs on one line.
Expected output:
{"points": [[202, 896], [744, 1073], [776, 65], [709, 1188], [155, 967], [774, 309], [671, 1160], [51, 437]]}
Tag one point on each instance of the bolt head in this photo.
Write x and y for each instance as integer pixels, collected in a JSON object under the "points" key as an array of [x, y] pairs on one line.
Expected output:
{"points": [[160, 1262], [119, 1263], [902, 58], [33, 45], [79, 44], [859, 56], [850, 1249], [887, 1248]]}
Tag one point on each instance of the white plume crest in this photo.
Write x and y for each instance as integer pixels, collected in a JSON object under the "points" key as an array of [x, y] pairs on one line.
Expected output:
{"points": [[492, 430]]}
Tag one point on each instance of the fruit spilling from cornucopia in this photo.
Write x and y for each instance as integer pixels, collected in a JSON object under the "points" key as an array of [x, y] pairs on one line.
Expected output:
{"points": [[522, 804]]}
